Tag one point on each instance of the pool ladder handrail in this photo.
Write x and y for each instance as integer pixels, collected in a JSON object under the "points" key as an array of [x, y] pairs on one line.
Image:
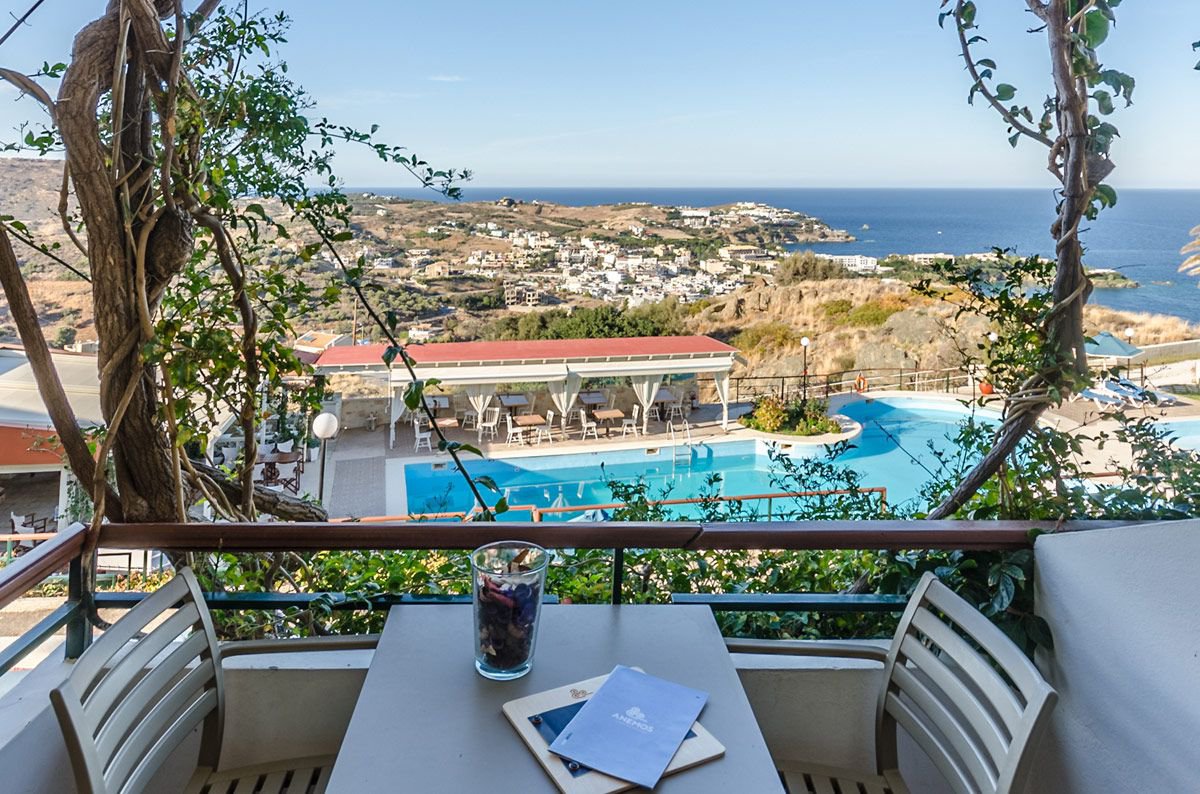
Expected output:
{"points": [[686, 449]]}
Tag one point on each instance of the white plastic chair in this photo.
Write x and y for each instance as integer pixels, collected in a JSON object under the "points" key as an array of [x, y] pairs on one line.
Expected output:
{"points": [[969, 698], [516, 435], [19, 527], [675, 411], [630, 423], [588, 425], [530, 403], [125, 707], [490, 425], [424, 438], [546, 431]]}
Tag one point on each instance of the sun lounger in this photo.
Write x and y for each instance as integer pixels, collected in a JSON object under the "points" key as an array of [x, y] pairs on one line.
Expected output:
{"points": [[1101, 399], [1128, 390]]}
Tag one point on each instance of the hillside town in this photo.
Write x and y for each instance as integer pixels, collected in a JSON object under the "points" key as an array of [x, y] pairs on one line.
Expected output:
{"points": [[684, 252]]}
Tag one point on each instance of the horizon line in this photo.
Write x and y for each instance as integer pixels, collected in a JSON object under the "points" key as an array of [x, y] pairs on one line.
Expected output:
{"points": [[469, 186]]}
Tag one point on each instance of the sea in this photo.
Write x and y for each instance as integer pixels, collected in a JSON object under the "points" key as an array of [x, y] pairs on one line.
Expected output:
{"points": [[1141, 236]]}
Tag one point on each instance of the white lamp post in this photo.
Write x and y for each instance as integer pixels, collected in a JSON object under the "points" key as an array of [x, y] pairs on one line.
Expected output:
{"points": [[804, 343], [325, 427], [1129, 359]]}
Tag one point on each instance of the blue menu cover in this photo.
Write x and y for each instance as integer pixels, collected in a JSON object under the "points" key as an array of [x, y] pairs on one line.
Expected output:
{"points": [[632, 726]]}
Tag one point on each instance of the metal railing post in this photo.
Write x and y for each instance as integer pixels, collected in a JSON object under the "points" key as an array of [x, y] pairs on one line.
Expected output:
{"points": [[79, 629], [618, 577]]}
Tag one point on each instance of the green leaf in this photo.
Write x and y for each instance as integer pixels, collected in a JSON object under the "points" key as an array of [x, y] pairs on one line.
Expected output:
{"points": [[489, 483], [412, 395], [1104, 102], [390, 354], [1107, 195], [501, 506], [1005, 92], [1095, 28]]}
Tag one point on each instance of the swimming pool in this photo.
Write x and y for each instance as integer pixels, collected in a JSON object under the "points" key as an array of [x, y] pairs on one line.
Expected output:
{"points": [[1186, 432], [891, 452]]}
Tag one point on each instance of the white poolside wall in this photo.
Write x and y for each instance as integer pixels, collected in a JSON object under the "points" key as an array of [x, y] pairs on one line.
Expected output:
{"points": [[1122, 605]]}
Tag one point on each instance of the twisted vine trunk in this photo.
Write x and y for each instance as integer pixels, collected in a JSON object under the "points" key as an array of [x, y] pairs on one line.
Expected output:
{"points": [[1064, 327], [138, 240]]}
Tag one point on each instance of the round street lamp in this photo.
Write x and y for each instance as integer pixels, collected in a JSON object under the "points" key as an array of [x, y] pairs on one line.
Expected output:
{"points": [[325, 427], [804, 343]]}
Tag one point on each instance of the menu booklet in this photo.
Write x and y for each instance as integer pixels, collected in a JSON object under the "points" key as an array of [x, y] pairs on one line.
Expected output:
{"points": [[542, 718]]}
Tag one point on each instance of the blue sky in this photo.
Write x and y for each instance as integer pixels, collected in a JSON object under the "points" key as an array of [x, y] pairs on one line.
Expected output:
{"points": [[701, 93]]}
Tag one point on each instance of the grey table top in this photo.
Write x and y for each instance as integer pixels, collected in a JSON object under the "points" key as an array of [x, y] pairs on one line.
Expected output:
{"points": [[426, 721]]}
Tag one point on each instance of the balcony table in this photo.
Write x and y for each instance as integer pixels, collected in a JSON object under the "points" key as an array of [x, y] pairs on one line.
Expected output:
{"points": [[426, 721]]}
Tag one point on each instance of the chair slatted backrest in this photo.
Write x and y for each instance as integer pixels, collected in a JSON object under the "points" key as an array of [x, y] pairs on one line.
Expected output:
{"points": [[126, 706], [964, 692]]}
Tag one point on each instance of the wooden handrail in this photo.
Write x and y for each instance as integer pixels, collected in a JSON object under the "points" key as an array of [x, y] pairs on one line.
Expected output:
{"points": [[43, 560], [695, 535]]}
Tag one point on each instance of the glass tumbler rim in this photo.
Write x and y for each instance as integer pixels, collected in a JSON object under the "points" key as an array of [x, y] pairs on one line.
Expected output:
{"points": [[499, 544]]}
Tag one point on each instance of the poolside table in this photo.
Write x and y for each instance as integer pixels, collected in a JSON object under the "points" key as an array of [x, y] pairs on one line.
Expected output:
{"points": [[529, 420], [592, 398], [608, 416], [513, 401], [426, 721], [447, 423], [437, 403], [271, 461]]}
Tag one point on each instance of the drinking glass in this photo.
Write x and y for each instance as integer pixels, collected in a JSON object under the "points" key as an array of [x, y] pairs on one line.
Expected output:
{"points": [[509, 579]]}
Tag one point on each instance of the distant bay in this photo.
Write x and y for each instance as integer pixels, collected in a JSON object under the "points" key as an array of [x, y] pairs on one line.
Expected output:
{"points": [[1141, 236]]}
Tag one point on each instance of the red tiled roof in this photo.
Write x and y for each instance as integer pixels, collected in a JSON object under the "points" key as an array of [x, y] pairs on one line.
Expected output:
{"points": [[563, 349]]}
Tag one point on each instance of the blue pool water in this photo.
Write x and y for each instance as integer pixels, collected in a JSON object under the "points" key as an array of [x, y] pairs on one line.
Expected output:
{"points": [[892, 452], [1186, 432]]}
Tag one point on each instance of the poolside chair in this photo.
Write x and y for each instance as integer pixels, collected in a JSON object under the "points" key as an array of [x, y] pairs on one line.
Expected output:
{"points": [[1101, 399], [630, 423], [530, 403], [675, 410], [547, 430], [489, 427], [516, 435], [965, 694], [575, 416], [22, 525], [126, 705], [1137, 395], [654, 411], [588, 426], [424, 438]]}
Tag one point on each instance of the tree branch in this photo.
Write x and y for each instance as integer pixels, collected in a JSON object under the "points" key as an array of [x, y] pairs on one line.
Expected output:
{"points": [[265, 500], [1008, 116], [66, 425]]}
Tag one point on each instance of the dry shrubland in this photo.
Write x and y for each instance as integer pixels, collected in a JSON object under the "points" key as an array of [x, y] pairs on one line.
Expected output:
{"points": [[867, 324]]}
